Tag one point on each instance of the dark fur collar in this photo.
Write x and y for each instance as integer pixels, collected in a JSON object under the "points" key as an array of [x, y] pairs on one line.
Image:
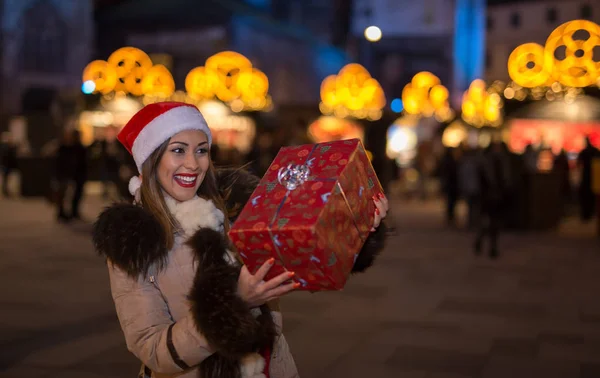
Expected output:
{"points": [[132, 239]]}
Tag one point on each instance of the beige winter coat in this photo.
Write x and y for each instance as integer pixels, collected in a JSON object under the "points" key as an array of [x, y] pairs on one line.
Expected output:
{"points": [[156, 304]]}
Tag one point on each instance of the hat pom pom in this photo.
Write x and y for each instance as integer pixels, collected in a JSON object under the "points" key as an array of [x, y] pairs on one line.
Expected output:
{"points": [[134, 185]]}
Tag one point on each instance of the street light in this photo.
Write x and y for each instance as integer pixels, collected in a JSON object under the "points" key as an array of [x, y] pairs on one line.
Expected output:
{"points": [[373, 34]]}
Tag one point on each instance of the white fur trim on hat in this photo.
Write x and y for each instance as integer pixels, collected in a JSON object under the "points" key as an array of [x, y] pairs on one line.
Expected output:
{"points": [[134, 184], [164, 127]]}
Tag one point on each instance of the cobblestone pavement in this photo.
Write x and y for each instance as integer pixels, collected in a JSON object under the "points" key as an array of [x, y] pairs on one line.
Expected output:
{"points": [[428, 309]]}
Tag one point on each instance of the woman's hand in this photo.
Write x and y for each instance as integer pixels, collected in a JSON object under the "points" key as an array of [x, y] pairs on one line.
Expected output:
{"points": [[256, 292], [381, 209]]}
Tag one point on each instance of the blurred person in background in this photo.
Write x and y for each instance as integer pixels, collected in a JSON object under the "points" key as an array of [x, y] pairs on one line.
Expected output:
{"points": [[111, 158], [449, 180], [469, 183], [8, 160], [494, 182], [587, 198], [530, 158], [71, 171], [561, 168]]}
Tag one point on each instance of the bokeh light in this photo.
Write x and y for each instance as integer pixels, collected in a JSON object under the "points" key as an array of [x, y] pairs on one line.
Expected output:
{"points": [[373, 34]]}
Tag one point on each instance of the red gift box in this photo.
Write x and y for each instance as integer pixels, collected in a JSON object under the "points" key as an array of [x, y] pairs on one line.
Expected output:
{"points": [[312, 211]]}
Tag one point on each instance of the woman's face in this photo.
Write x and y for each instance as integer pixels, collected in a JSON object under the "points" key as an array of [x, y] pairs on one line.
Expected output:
{"points": [[183, 166]]}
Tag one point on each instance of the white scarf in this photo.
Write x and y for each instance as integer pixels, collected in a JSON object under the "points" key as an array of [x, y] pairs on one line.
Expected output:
{"points": [[193, 215]]}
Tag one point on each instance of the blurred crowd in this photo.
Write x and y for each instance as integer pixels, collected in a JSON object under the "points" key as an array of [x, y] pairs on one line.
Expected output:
{"points": [[499, 187], [495, 183], [108, 162]]}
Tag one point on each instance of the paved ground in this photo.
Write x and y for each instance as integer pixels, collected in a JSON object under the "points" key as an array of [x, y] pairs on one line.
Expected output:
{"points": [[429, 309]]}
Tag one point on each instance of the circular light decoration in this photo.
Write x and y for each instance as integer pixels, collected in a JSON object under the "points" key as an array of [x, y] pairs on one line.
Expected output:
{"points": [[202, 83], [578, 68], [480, 107], [527, 65], [252, 84], [102, 75], [373, 34], [227, 65], [566, 57], [352, 92], [426, 96], [158, 81], [230, 77], [130, 64]]}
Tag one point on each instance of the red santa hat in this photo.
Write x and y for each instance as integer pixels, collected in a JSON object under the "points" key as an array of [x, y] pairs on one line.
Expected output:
{"points": [[156, 123]]}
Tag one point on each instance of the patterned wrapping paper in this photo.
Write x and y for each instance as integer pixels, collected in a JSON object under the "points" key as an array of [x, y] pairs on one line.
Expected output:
{"points": [[317, 229]]}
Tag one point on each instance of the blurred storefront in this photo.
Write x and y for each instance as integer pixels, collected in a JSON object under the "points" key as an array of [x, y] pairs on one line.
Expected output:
{"points": [[115, 110], [556, 125]]}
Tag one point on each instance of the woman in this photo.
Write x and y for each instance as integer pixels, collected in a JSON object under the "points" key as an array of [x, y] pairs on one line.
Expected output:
{"points": [[186, 305]]}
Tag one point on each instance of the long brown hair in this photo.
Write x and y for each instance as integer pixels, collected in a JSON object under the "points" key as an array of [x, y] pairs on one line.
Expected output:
{"points": [[152, 197]]}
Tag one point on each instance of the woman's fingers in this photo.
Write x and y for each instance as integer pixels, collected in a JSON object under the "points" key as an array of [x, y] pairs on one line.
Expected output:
{"points": [[385, 202], [376, 220], [281, 290], [264, 269], [381, 209], [277, 281]]}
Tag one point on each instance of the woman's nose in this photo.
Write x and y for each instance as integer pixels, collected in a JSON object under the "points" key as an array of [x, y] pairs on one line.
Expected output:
{"points": [[191, 162]]}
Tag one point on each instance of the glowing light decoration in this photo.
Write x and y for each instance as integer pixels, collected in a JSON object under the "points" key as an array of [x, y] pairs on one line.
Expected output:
{"points": [[531, 65], [102, 75], [230, 77], [352, 92], [158, 81], [228, 65], [129, 70], [426, 96], [201, 83], [131, 64], [481, 107]]}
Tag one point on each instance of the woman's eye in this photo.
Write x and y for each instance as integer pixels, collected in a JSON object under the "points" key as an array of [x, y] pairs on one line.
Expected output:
{"points": [[178, 150], [202, 151]]}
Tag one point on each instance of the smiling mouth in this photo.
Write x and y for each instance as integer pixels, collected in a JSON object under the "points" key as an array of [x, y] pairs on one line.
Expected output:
{"points": [[186, 181]]}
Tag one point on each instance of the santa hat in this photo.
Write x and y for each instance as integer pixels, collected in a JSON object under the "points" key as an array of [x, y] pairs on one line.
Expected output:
{"points": [[156, 123], [153, 125]]}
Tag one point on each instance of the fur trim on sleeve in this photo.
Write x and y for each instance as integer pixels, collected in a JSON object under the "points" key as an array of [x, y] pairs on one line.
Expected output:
{"points": [[219, 313], [236, 187], [371, 249], [131, 238]]}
